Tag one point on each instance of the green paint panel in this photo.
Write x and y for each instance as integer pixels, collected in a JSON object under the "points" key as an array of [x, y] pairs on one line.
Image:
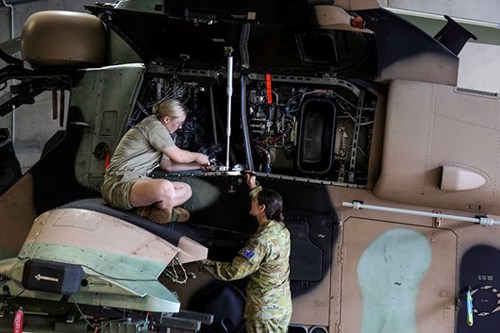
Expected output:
{"points": [[137, 275], [106, 263], [389, 273]]}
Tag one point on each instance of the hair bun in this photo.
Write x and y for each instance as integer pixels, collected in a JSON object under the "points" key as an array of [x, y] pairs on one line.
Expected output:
{"points": [[278, 216]]}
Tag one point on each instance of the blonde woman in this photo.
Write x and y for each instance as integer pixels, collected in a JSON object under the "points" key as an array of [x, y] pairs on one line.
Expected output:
{"points": [[143, 148]]}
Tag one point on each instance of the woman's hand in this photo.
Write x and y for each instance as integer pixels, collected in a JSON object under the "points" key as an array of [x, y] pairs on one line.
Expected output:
{"points": [[251, 179], [202, 159]]}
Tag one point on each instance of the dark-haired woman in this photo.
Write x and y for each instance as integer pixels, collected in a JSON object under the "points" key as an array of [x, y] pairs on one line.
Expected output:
{"points": [[143, 148], [265, 260]]}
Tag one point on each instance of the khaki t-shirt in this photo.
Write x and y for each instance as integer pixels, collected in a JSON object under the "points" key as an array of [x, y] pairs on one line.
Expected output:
{"points": [[141, 148]]}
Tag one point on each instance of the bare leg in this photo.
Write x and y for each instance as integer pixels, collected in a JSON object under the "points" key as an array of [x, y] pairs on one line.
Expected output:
{"points": [[182, 193], [161, 192]]}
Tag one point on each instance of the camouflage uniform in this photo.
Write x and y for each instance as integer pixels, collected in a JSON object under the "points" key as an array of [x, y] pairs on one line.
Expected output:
{"points": [[265, 260]]}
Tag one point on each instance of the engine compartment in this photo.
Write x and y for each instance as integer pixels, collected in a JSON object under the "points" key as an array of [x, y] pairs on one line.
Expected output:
{"points": [[318, 128]]}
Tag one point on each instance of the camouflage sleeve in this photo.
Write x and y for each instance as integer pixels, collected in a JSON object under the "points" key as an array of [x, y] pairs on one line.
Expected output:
{"points": [[245, 263], [253, 193]]}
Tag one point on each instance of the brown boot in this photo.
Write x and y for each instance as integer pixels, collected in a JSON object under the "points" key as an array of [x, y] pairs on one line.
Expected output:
{"points": [[162, 216], [180, 214], [154, 214]]}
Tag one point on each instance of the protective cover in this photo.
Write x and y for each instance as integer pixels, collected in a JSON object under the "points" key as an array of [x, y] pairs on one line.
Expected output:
{"points": [[62, 38]]}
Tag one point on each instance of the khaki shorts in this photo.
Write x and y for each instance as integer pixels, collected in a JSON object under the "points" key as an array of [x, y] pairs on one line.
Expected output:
{"points": [[116, 191]]}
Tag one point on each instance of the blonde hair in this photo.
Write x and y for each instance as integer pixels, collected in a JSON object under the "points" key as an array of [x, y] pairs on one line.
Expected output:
{"points": [[171, 107]]}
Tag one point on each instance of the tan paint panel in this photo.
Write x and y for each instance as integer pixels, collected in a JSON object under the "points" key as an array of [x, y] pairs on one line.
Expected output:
{"points": [[86, 229], [17, 212], [435, 301], [357, 4], [313, 307], [430, 125]]}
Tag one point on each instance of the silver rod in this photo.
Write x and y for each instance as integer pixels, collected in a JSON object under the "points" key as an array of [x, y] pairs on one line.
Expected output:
{"points": [[480, 220], [229, 90]]}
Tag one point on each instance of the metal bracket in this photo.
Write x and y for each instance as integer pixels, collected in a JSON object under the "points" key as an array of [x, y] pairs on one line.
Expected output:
{"points": [[437, 222]]}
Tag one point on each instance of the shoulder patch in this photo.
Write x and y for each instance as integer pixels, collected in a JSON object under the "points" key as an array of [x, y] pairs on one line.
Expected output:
{"points": [[247, 253]]}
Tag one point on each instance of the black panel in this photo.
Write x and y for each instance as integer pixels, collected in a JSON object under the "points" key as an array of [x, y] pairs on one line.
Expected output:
{"points": [[317, 136], [307, 206], [162, 39], [226, 301], [480, 271], [306, 258], [317, 48], [52, 276], [453, 36], [282, 38], [398, 39], [10, 169], [54, 175]]}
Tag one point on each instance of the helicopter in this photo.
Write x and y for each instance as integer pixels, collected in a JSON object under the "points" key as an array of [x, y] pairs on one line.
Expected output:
{"points": [[388, 170]]}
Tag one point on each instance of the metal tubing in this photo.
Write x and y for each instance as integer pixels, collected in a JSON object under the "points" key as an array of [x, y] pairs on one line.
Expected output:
{"points": [[244, 123], [481, 220], [229, 90]]}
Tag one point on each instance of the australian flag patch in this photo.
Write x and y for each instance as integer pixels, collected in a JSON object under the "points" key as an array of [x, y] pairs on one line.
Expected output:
{"points": [[247, 253]]}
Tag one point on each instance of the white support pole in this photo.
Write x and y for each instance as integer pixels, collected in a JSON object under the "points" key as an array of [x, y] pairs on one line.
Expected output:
{"points": [[229, 91]]}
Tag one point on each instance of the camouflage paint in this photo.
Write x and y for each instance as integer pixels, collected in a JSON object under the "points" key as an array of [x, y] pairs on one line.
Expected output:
{"points": [[389, 274], [112, 279]]}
